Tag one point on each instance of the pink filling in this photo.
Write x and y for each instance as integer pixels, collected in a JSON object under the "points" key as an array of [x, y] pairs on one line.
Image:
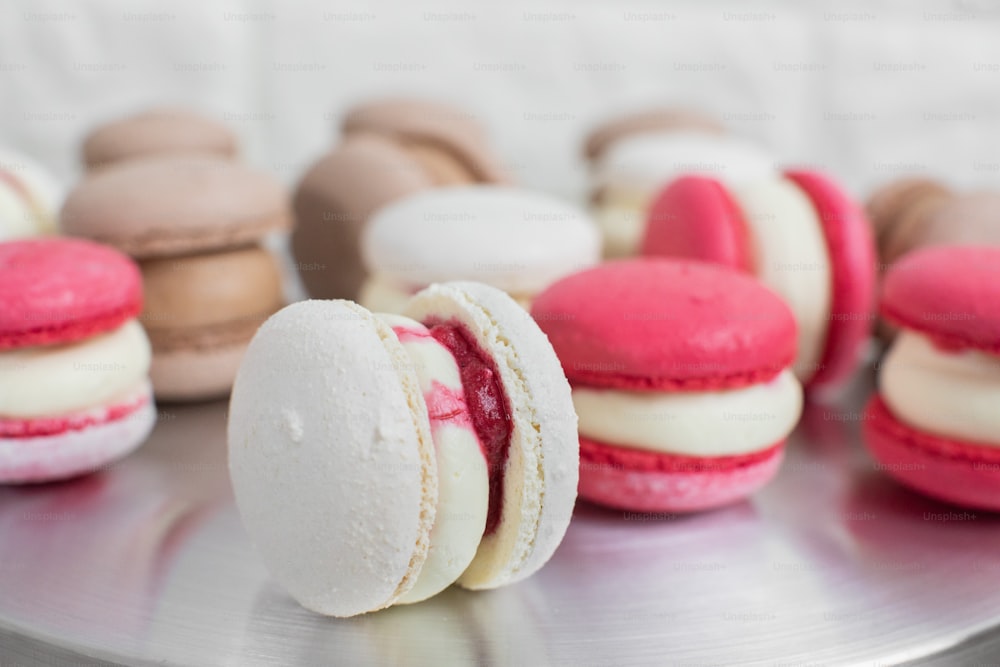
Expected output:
{"points": [[77, 421], [484, 401]]}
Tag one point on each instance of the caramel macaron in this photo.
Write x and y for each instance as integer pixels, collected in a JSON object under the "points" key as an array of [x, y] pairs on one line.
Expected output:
{"points": [[157, 131], [194, 222], [649, 121], [390, 149]]}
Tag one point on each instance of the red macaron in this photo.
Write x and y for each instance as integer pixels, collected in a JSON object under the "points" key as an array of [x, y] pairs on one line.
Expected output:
{"points": [[659, 342], [698, 217], [75, 393], [934, 423]]}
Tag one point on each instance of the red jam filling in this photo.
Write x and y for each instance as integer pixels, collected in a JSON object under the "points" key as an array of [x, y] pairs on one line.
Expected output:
{"points": [[487, 404]]}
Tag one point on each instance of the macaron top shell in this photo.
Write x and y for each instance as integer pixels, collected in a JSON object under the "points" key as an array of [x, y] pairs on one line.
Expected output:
{"points": [[59, 290], [517, 240], [949, 293], [666, 325], [176, 204], [647, 122], [158, 131], [331, 457], [424, 121]]}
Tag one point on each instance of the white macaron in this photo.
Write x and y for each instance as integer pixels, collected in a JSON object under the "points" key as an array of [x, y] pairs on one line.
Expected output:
{"points": [[29, 197], [517, 240], [376, 459]]}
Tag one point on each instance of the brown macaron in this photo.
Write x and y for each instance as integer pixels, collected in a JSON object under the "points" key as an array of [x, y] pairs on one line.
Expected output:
{"points": [[652, 120], [390, 149], [157, 131], [200, 313], [176, 204], [897, 211]]}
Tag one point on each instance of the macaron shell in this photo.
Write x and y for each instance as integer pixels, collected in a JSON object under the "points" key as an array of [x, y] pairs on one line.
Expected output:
{"points": [[196, 373], [47, 458], [958, 472], [851, 249], [331, 457], [334, 201], [445, 127], [663, 325], [971, 218], [949, 293], [695, 217], [889, 202], [158, 131], [541, 474], [58, 290], [176, 204], [653, 120], [625, 479]]}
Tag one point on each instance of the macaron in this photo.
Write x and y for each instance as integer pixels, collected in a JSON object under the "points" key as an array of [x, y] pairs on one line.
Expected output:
{"points": [[377, 459], [155, 132], [29, 197], [681, 380], [802, 236], [914, 213], [933, 425], [517, 240], [633, 158], [390, 149], [75, 394], [194, 223]]}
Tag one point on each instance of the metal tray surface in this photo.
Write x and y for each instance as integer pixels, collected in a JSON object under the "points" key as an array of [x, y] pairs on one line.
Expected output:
{"points": [[146, 562]]}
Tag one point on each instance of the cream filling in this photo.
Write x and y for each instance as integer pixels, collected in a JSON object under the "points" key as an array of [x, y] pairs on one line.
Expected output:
{"points": [[950, 394], [381, 294], [791, 258], [463, 480], [47, 381], [621, 217], [697, 423]]}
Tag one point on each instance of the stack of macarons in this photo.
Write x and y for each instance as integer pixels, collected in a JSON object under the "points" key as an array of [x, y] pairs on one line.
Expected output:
{"points": [[935, 424], [632, 157], [75, 392], [157, 131], [29, 197], [517, 240], [389, 149], [194, 221], [377, 459], [802, 236], [681, 380]]}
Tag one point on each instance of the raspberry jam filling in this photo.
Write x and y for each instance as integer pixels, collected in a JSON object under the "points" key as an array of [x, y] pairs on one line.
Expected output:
{"points": [[12, 427], [487, 403]]}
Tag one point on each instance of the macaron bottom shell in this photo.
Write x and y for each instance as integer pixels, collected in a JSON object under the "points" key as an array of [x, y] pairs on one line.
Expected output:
{"points": [[963, 473], [79, 447], [636, 480]]}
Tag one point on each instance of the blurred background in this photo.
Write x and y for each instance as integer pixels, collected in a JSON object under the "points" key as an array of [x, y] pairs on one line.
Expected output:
{"points": [[869, 90]]}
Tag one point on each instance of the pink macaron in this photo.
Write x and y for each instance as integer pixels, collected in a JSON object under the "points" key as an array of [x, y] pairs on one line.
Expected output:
{"points": [[681, 381], [934, 424], [801, 235], [74, 360]]}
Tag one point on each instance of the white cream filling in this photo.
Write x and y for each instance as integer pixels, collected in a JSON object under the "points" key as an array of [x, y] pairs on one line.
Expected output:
{"points": [[792, 259], [381, 294], [48, 381], [621, 216], [697, 423], [463, 480], [953, 395]]}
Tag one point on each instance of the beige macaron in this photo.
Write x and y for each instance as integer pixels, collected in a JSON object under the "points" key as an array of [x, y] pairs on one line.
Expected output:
{"points": [[390, 149]]}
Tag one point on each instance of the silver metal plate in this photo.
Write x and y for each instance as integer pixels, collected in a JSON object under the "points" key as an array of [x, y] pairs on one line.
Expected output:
{"points": [[833, 563]]}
